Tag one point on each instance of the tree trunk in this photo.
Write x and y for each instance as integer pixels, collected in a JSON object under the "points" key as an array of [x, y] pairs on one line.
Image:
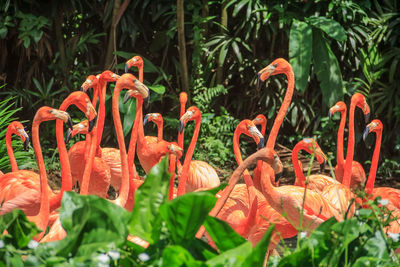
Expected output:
{"points": [[181, 45], [110, 45], [58, 19], [224, 22]]}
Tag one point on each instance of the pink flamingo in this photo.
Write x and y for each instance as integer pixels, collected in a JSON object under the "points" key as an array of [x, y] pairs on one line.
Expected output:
{"points": [[357, 172], [16, 128]]}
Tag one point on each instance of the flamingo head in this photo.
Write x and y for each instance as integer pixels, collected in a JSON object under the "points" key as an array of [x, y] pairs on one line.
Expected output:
{"points": [[192, 113], [108, 76], [136, 88], [17, 128], [338, 107], [156, 117], [260, 119], [278, 66], [248, 128], [312, 147], [175, 149], [79, 128], [82, 101], [46, 113], [375, 126], [359, 100], [90, 82], [183, 98], [136, 61]]}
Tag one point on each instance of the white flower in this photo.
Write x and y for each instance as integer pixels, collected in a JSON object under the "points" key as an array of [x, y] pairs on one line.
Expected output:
{"points": [[356, 213], [1, 244], [103, 258], [394, 236], [143, 257], [383, 202], [115, 255], [33, 244], [303, 234]]}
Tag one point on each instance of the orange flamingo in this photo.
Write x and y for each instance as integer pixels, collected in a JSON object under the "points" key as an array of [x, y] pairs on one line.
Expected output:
{"points": [[201, 176], [340, 194], [23, 195], [391, 194], [357, 171], [183, 100], [158, 120], [316, 182], [16, 128], [278, 66]]}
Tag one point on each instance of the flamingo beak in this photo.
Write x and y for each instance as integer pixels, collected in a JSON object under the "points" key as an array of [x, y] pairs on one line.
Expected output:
{"points": [[182, 159], [366, 117], [278, 176], [82, 90], [68, 136], [259, 82], [261, 144], [126, 97], [70, 124], [147, 101], [126, 67], [181, 126], [92, 123], [330, 114], [146, 119], [322, 166], [26, 143], [366, 132]]}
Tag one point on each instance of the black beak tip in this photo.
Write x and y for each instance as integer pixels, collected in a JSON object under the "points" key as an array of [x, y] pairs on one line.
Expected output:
{"points": [[259, 82], [181, 160], [181, 126], [26, 144], [126, 97], [278, 176], [366, 117], [70, 124], [68, 136], [322, 166], [92, 123], [82, 90], [146, 119], [330, 115], [126, 68], [366, 132], [261, 144]]}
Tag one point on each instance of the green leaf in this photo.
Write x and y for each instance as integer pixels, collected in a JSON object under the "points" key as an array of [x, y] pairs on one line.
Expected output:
{"points": [[20, 230], [222, 234], [300, 48], [146, 221], [222, 54], [129, 116], [185, 214], [233, 257], [327, 69], [3, 32], [178, 256], [331, 27], [158, 88], [236, 49], [260, 250]]}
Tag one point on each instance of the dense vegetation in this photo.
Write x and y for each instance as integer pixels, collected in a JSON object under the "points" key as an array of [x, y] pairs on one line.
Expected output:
{"points": [[336, 48], [97, 233]]}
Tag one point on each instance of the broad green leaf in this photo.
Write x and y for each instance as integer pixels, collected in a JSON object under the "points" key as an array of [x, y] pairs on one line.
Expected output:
{"points": [[377, 246], [300, 48], [146, 221], [259, 251], [185, 214], [3, 32], [224, 237], [158, 88], [20, 230], [327, 69], [129, 116], [331, 27], [179, 256], [222, 54], [233, 257], [236, 49], [123, 54]]}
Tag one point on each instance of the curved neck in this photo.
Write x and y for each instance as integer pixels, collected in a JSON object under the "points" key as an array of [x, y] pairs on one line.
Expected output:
{"points": [[171, 169], [159, 130], [188, 158], [374, 163], [340, 136], [300, 178], [102, 85], [282, 110], [181, 135], [89, 161], [238, 155], [350, 148], [134, 137], [95, 94], [263, 128], [43, 216], [123, 194], [141, 73], [13, 161]]}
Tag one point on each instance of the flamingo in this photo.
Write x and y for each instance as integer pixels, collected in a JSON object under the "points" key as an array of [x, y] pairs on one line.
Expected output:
{"points": [[201, 176], [278, 66], [357, 172], [16, 128], [340, 194], [316, 182], [391, 194], [182, 99], [19, 188], [158, 120]]}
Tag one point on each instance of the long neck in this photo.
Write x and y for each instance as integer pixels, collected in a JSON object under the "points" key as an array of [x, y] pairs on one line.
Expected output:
{"points": [[102, 85], [282, 111], [350, 148], [339, 153], [160, 126], [43, 215], [181, 135], [13, 162], [123, 194], [89, 162], [140, 131], [374, 163], [263, 130], [134, 138], [238, 155], [300, 178], [95, 94], [171, 169], [188, 158], [141, 73]]}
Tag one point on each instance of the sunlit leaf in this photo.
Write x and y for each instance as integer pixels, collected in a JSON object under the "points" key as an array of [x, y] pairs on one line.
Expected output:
{"points": [[331, 27]]}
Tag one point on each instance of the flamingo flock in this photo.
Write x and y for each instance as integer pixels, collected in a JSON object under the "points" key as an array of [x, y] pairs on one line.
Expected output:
{"points": [[250, 208]]}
